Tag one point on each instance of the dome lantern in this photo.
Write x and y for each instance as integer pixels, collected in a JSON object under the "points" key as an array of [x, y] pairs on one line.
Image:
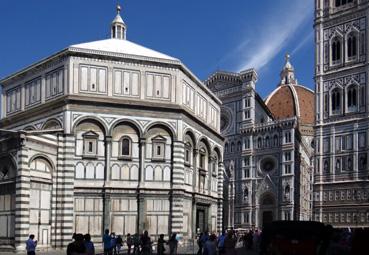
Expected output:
{"points": [[288, 72], [118, 27]]}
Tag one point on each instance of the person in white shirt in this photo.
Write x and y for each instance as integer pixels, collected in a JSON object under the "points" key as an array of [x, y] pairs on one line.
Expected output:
{"points": [[31, 245]]}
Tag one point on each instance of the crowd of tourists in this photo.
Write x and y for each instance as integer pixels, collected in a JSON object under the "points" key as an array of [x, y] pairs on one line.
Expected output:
{"points": [[209, 244], [227, 242], [113, 244]]}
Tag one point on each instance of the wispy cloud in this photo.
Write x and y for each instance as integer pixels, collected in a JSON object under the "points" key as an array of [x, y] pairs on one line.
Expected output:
{"points": [[259, 47], [307, 38]]}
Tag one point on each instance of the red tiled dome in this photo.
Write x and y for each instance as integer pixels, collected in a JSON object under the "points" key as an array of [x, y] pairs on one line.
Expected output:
{"points": [[290, 100]]}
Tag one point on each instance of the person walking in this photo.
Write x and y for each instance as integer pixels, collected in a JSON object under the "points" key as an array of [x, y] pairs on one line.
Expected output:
{"points": [[145, 244], [173, 244], [161, 242], [90, 248], [210, 247], [31, 245], [119, 243], [129, 243], [107, 242]]}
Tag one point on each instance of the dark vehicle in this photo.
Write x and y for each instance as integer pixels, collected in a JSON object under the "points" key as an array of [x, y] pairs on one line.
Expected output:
{"points": [[295, 238]]}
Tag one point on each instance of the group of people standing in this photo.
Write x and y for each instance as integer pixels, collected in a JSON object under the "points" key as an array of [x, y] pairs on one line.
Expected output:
{"points": [[226, 242], [141, 244]]}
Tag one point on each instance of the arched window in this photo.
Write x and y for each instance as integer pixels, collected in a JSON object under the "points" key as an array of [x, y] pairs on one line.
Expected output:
{"points": [[287, 192], [188, 153], [338, 165], [326, 166], [232, 147], [202, 154], [40, 164], [214, 166], [336, 50], [351, 46], [4, 173], [259, 142], [239, 146], [246, 194], [336, 100], [126, 147], [351, 97], [267, 141], [275, 141]]}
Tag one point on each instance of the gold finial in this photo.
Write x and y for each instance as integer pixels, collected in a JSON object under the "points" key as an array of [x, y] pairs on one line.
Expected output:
{"points": [[118, 9]]}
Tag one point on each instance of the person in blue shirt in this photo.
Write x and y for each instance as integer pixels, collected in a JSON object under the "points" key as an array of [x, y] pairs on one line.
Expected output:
{"points": [[221, 242], [31, 245], [107, 243], [90, 248]]}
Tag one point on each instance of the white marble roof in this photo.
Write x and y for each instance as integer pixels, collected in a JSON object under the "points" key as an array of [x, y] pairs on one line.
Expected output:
{"points": [[121, 47]]}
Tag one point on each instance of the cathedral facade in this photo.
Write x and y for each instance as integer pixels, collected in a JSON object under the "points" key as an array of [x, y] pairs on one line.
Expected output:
{"points": [[108, 135], [267, 152], [341, 188]]}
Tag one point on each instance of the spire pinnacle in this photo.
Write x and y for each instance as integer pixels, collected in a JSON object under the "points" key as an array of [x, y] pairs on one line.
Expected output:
{"points": [[118, 9]]}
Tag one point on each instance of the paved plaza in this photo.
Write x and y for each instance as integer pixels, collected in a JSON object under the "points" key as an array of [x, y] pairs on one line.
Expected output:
{"points": [[182, 249]]}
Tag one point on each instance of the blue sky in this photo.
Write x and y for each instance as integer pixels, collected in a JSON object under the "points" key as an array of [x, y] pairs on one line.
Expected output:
{"points": [[207, 35]]}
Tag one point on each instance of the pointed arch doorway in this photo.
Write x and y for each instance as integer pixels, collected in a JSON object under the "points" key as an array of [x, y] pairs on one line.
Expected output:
{"points": [[268, 206]]}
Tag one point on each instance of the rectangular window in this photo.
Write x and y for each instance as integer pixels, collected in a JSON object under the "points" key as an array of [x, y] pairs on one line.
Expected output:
{"points": [[247, 173], [247, 114], [326, 145], [90, 146], [246, 217], [13, 100], [158, 149], [33, 92], [338, 144], [187, 156], [287, 169], [362, 140], [349, 142], [287, 156], [54, 83], [246, 161], [287, 137], [92, 79]]}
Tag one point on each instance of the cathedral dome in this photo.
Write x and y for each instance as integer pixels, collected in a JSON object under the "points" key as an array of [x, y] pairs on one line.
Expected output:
{"points": [[290, 99]]}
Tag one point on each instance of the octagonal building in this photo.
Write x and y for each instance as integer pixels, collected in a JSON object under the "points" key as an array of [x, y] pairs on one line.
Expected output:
{"points": [[108, 135]]}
